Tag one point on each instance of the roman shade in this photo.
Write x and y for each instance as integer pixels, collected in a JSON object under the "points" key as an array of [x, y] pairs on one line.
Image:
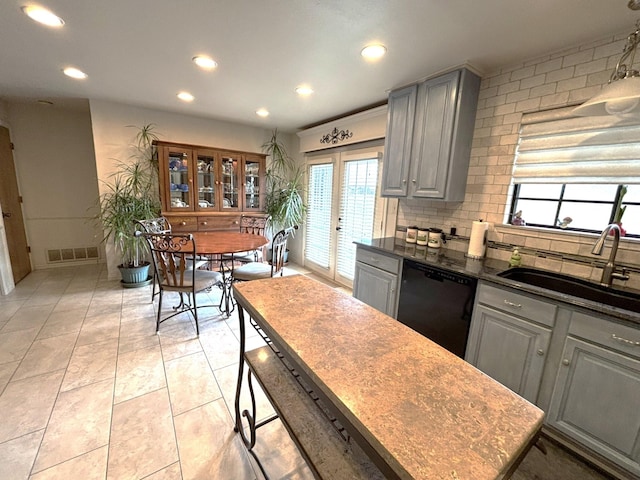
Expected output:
{"points": [[557, 147]]}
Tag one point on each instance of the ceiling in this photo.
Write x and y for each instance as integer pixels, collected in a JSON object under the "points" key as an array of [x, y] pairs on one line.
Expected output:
{"points": [[139, 51]]}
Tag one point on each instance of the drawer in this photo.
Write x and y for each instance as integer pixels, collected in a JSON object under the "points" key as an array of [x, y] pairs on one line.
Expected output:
{"points": [[183, 224], [609, 333], [517, 304], [378, 260], [219, 222]]}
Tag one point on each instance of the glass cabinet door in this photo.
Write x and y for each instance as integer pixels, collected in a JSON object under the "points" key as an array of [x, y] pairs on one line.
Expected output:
{"points": [[206, 167], [252, 173], [180, 180], [229, 182]]}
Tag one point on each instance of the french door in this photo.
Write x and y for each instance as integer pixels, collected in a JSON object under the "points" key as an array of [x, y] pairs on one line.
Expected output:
{"points": [[344, 206]]}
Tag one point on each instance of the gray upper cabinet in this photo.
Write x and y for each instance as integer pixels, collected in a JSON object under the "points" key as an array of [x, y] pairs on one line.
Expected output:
{"points": [[428, 139]]}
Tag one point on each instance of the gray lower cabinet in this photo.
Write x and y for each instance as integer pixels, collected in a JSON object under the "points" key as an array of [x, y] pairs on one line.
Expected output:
{"points": [[509, 338], [583, 368], [428, 139], [376, 280], [596, 397]]}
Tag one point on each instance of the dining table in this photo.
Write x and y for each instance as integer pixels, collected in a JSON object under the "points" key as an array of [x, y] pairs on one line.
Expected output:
{"points": [[219, 247]]}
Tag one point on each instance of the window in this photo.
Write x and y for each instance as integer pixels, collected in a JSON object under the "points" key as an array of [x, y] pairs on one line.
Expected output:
{"points": [[591, 207]]}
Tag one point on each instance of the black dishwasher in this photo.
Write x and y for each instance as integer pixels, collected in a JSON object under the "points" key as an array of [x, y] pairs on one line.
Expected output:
{"points": [[437, 303]]}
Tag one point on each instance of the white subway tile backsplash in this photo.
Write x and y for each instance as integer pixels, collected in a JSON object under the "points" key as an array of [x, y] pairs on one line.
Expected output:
{"points": [[571, 84], [560, 78], [581, 56]]}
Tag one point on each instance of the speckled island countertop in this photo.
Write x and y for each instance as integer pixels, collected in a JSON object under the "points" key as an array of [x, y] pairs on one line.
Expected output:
{"points": [[426, 412]]}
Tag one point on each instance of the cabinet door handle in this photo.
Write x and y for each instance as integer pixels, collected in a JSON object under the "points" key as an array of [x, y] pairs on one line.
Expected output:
{"points": [[624, 340], [566, 362], [511, 304]]}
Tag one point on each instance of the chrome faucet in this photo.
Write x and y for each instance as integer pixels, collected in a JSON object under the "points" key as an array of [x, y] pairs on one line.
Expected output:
{"points": [[609, 271]]}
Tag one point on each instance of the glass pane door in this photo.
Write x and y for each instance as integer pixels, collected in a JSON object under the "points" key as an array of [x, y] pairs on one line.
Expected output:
{"points": [[343, 207], [207, 190], [356, 213], [179, 180], [230, 191], [318, 225], [252, 184]]}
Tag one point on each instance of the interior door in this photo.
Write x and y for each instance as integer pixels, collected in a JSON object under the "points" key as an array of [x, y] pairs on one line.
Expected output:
{"points": [[344, 206], [12, 211]]}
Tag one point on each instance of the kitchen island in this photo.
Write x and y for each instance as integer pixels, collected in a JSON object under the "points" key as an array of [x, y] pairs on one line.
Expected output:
{"points": [[417, 410]]}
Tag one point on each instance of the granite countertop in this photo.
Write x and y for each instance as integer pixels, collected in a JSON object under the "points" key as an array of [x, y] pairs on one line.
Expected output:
{"points": [[487, 270], [428, 413]]}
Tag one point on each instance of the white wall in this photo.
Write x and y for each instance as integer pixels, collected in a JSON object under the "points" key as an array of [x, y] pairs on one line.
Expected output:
{"points": [[55, 165], [112, 138]]}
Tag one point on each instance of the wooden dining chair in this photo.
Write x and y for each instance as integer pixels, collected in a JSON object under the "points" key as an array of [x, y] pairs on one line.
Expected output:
{"points": [[172, 254], [258, 270]]}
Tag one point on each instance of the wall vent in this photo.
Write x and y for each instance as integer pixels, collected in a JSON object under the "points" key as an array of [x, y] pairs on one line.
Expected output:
{"points": [[58, 255]]}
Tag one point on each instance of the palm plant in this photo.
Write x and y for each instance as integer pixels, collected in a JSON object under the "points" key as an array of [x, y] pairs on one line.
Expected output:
{"points": [[284, 202], [131, 195]]}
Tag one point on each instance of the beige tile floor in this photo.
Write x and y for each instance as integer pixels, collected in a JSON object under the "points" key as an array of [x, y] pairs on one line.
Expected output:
{"points": [[89, 391]]}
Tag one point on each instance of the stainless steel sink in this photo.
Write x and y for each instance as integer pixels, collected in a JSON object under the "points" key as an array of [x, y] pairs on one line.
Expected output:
{"points": [[576, 287]]}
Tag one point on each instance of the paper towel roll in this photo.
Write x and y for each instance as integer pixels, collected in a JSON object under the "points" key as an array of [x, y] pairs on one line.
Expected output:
{"points": [[478, 239]]}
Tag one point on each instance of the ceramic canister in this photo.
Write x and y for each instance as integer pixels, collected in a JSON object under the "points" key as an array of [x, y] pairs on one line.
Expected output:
{"points": [[435, 238], [421, 238], [412, 234]]}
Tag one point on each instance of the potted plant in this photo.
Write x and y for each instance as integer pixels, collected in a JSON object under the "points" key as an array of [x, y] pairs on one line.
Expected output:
{"points": [[284, 199], [132, 195], [619, 211]]}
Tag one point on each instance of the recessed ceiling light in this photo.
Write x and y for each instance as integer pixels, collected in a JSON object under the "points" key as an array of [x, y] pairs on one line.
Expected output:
{"points": [[205, 62], [42, 15], [74, 73], [186, 97], [373, 52], [304, 90], [262, 112]]}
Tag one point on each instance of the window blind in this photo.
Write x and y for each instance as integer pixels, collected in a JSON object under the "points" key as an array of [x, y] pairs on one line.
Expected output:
{"points": [[318, 223], [557, 147], [357, 209]]}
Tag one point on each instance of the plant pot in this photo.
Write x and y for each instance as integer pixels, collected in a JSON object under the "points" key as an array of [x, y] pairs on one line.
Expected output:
{"points": [[134, 277]]}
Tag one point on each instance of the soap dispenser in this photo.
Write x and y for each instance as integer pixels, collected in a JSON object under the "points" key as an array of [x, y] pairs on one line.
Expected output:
{"points": [[515, 260]]}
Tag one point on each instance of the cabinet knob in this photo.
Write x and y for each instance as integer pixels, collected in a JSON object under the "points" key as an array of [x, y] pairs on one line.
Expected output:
{"points": [[203, 223], [566, 362], [183, 223], [404, 181], [540, 352], [414, 180]]}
